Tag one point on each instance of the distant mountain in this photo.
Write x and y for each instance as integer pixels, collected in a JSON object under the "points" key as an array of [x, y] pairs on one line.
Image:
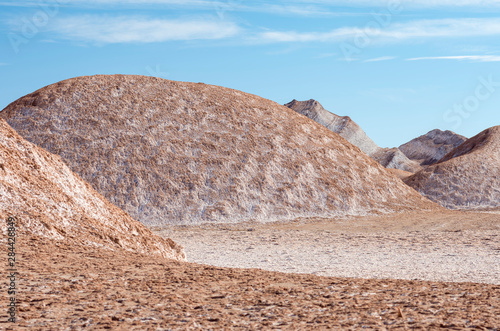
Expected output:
{"points": [[432, 146], [352, 132], [48, 200], [467, 177], [183, 153]]}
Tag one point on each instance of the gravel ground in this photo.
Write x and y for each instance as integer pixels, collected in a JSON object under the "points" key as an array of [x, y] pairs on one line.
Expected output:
{"points": [[64, 286], [451, 246]]}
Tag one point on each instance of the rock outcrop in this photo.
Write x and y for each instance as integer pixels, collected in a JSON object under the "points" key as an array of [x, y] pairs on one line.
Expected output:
{"points": [[343, 125], [468, 177], [432, 146], [390, 158], [48, 200], [183, 153], [393, 158]]}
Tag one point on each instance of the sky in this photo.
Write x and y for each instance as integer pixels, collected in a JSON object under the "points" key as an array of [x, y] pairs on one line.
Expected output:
{"points": [[398, 68]]}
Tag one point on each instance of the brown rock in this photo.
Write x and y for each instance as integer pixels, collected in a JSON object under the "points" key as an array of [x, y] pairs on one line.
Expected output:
{"points": [[76, 287], [174, 152], [343, 125], [391, 158], [467, 177], [432, 146], [48, 200]]}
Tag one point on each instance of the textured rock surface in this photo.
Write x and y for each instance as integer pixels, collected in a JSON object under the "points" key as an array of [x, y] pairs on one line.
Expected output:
{"points": [[69, 287], [185, 153], [343, 125], [401, 174], [49, 200], [432, 146], [467, 177], [393, 158]]}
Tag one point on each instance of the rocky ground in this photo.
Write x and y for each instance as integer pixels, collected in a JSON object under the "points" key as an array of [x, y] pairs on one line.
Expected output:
{"points": [[65, 287]]}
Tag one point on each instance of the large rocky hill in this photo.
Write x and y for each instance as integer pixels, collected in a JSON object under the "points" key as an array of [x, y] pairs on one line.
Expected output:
{"points": [[48, 200], [432, 146], [185, 153], [391, 158], [467, 177]]}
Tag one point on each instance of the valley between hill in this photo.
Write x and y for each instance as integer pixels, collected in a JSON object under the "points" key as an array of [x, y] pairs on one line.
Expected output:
{"points": [[454, 246]]}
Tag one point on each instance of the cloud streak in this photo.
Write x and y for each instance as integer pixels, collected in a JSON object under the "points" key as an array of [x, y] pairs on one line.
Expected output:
{"points": [[347, 3], [112, 30], [463, 27], [473, 58], [382, 58], [408, 3]]}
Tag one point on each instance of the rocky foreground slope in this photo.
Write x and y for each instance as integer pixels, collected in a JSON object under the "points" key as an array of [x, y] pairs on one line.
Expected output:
{"points": [[391, 158], [432, 146], [48, 200], [467, 177], [185, 153], [83, 289]]}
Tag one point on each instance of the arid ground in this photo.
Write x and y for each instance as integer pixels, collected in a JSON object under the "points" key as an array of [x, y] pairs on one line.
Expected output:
{"points": [[67, 287], [438, 246]]}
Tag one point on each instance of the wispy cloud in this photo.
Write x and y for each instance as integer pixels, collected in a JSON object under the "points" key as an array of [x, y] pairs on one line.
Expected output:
{"points": [[283, 8], [27, 3], [4, 64], [108, 30], [408, 3], [298, 3], [474, 58], [382, 58], [463, 27]]}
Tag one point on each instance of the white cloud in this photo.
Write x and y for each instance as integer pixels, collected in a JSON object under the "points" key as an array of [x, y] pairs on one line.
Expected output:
{"points": [[382, 58], [474, 58], [464, 27], [107, 30], [298, 3], [407, 3]]}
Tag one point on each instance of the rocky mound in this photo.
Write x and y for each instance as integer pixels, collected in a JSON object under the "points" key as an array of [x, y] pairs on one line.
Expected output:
{"points": [[393, 158], [185, 153], [343, 125], [432, 146], [467, 177], [49, 200]]}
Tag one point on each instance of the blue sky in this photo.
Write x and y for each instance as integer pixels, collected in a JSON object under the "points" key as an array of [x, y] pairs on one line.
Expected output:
{"points": [[398, 68]]}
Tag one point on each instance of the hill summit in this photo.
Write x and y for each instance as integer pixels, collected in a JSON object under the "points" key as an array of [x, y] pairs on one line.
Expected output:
{"points": [[468, 177], [172, 152], [391, 158], [432, 146]]}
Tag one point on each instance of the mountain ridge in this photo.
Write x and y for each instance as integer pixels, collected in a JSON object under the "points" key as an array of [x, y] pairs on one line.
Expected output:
{"points": [[350, 130]]}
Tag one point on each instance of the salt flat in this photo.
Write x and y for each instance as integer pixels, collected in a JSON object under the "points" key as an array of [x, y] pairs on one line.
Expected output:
{"points": [[451, 246]]}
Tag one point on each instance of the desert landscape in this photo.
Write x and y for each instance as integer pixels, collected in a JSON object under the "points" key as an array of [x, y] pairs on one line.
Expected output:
{"points": [[144, 203]]}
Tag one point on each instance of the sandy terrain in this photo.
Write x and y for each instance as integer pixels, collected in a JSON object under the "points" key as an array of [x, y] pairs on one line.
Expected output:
{"points": [[450, 246], [68, 287]]}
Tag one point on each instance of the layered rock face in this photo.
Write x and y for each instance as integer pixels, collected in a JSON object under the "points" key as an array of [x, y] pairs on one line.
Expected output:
{"points": [[432, 146], [343, 125], [47, 199], [182, 153], [467, 177]]}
